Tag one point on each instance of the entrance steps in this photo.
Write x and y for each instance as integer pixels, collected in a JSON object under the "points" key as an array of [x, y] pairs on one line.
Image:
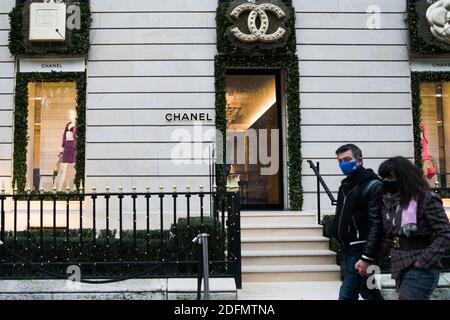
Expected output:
{"points": [[280, 246]]}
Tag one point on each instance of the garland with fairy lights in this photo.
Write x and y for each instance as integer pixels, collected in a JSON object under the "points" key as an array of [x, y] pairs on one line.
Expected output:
{"points": [[62, 246], [21, 122], [77, 42], [282, 56]]}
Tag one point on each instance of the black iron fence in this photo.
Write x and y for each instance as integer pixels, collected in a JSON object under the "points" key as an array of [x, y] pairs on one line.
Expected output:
{"points": [[161, 243]]}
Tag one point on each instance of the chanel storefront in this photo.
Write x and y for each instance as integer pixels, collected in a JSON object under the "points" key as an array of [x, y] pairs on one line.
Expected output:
{"points": [[152, 93]]}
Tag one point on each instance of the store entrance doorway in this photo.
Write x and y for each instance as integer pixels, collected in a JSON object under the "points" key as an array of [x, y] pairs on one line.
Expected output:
{"points": [[254, 137]]}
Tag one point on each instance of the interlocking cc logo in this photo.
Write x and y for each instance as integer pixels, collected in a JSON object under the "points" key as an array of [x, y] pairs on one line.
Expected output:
{"points": [[258, 34]]}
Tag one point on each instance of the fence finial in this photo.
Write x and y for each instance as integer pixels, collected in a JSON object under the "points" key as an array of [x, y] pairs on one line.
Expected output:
{"points": [[41, 187], [174, 188], [3, 187], [68, 187], [214, 187], [15, 187], [147, 188], [188, 188], [161, 188], [120, 188], [54, 188], [94, 189], [201, 188], [81, 189], [107, 189]]}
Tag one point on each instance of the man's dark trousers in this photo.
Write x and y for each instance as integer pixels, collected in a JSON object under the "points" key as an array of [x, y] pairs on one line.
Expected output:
{"points": [[353, 284]]}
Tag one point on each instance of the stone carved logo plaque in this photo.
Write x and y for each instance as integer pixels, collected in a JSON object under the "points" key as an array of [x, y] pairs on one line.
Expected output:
{"points": [[258, 23], [258, 11], [438, 16], [47, 21], [432, 22]]}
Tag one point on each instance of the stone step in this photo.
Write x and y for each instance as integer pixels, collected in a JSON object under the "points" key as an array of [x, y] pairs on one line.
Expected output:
{"points": [[262, 243], [291, 273], [281, 230], [267, 218], [288, 257], [293, 290]]}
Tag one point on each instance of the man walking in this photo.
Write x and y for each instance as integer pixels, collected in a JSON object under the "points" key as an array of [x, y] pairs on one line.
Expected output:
{"points": [[357, 223]]}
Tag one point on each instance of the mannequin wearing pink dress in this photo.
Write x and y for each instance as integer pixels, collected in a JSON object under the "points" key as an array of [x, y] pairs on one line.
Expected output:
{"points": [[426, 156], [425, 151]]}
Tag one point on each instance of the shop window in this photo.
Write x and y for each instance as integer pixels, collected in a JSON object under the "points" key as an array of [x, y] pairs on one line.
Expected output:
{"points": [[52, 135], [253, 110], [435, 125]]}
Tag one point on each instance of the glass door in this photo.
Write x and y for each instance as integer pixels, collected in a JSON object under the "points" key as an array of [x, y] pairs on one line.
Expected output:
{"points": [[254, 138]]}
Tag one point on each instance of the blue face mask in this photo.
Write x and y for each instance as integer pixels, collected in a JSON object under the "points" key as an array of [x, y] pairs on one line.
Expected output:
{"points": [[349, 167]]}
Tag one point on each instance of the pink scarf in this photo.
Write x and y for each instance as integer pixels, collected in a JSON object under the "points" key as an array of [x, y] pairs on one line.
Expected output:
{"points": [[409, 218]]}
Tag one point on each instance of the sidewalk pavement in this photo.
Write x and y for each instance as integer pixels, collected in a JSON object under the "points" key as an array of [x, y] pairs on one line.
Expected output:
{"points": [[305, 290]]}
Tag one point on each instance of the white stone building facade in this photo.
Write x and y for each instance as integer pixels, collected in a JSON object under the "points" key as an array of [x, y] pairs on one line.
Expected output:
{"points": [[150, 58]]}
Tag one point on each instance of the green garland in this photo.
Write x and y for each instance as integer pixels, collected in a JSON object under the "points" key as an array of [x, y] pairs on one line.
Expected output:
{"points": [[416, 79], [417, 44], [285, 58], [21, 121], [79, 44]]}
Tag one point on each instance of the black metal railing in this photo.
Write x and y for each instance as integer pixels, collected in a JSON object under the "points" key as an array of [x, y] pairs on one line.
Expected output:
{"points": [[87, 238], [321, 182]]}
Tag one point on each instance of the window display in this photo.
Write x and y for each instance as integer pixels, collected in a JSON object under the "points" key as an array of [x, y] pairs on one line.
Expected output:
{"points": [[51, 153], [435, 127]]}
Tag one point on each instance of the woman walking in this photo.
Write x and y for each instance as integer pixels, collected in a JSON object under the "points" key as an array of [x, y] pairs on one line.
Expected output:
{"points": [[416, 229]]}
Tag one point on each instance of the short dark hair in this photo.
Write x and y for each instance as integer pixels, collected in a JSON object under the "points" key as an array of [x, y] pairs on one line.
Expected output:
{"points": [[357, 153]]}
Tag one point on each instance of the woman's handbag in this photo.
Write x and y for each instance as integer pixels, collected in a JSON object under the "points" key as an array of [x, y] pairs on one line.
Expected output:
{"points": [[431, 170]]}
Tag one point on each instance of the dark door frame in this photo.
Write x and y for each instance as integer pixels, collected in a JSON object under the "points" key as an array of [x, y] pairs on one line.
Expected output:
{"points": [[277, 73]]}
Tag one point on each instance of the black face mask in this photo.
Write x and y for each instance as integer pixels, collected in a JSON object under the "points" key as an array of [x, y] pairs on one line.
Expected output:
{"points": [[391, 186]]}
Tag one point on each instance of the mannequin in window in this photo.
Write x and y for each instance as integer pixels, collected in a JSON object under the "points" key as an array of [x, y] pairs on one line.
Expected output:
{"points": [[68, 145], [429, 165]]}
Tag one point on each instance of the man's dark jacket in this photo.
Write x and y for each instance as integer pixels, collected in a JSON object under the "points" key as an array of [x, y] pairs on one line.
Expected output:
{"points": [[358, 212]]}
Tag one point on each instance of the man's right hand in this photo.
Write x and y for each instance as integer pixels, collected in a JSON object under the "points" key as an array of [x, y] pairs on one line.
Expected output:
{"points": [[361, 266]]}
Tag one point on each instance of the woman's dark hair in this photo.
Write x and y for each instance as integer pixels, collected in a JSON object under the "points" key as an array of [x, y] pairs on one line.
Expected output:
{"points": [[410, 178]]}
